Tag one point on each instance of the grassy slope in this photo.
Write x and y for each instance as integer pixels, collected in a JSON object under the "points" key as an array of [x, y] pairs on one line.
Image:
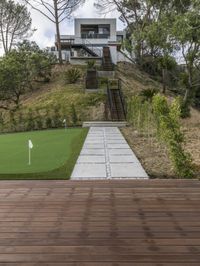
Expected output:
{"points": [[57, 92], [53, 155]]}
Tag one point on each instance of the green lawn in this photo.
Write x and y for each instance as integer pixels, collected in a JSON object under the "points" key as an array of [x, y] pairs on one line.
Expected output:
{"points": [[53, 155]]}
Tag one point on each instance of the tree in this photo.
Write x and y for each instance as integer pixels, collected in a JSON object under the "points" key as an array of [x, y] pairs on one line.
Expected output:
{"points": [[14, 79], [15, 23], [186, 34], [56, 11], [40, 61], [19, 70]]}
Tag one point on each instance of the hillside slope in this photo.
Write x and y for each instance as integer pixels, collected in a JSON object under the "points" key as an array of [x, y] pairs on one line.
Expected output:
{"points": [[52, 102]]}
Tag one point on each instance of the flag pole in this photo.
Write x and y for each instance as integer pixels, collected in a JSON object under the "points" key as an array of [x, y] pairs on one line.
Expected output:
{"points": [[29, 156]]}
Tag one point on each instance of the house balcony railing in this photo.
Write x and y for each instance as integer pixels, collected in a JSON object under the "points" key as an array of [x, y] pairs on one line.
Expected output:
{"points": [[94, 36]]}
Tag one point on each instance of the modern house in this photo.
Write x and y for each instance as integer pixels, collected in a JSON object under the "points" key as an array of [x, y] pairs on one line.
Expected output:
{"points": [[93, 36]]}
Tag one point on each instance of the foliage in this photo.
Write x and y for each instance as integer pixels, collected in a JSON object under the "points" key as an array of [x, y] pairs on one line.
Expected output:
{"points": [[148, 94], [74, 117], [14, 79], [15, 23], [56, 117], [72, 75], [19, 69], [91, 64], [160, 119], [30, 120], [169, 131]]}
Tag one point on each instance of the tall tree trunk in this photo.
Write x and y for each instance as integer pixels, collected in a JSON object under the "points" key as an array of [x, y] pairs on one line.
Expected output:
{"points": [[58, 32]]}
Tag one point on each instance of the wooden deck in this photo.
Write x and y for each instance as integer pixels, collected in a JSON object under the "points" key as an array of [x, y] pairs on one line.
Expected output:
{"points": [[100, 223]]}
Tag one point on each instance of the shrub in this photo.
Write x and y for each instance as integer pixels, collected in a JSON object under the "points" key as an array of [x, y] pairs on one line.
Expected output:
{"points": [[13, 121], [48, 120], [56, 117], [184, 107], [91, 64], [169, 132], [72, 75], [49, 123], [163, 120], [74, 117], [148, 94], [21, 125], [30, 120], [38, 120]]}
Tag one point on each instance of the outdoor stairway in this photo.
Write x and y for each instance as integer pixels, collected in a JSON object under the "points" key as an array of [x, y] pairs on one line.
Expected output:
{"points": [[116, 102], [107, 60], [89, 50]]}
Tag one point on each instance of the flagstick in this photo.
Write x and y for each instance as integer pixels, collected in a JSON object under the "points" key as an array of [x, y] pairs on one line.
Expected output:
{"points": [[29, 156]]}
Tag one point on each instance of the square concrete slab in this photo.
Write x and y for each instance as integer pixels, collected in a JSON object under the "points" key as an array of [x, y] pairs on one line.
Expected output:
{"points": [[91, 159], [94, 141], [93, 146], [127, 170], [116, 141], [118, 137], [120, 152], [118, 146], [123, 159], [92, 152], [89, 171]]}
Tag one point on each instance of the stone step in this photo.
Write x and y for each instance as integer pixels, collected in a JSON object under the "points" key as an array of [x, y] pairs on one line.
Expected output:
{"points": [[104, 124]]}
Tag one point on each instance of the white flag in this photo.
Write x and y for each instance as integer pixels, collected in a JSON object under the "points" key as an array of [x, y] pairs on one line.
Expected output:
{"points": [[30, 144]]}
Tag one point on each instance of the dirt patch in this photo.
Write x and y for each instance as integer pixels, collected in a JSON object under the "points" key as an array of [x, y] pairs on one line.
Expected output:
{"points": [[151, 154]]}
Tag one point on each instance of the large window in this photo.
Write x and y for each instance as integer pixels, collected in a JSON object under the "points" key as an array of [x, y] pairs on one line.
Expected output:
{"points": [[95, 31]]}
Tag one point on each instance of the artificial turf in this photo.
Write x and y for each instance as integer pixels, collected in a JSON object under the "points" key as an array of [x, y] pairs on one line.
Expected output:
{"points": [[53, 156]]}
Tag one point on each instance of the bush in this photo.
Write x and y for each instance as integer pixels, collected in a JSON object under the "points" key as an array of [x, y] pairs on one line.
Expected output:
{"points": [[38, 120], [91, 64], [30, 120], [184, 107], [56, 117], [13, 121], [74, 117], [148, 94], [163, 120], [72, 75], [168, 127]]}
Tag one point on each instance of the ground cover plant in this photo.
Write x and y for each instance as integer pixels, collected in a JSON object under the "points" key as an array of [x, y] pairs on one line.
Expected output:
{"points": [[53, 155]]}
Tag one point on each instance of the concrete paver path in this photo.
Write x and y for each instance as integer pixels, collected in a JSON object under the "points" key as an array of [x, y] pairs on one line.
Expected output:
{"points": [[106, 154]]}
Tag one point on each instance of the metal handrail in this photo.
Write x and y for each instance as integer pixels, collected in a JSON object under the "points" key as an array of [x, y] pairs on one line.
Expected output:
{"points": [[91, 45], [109, 98], [122, 98]]}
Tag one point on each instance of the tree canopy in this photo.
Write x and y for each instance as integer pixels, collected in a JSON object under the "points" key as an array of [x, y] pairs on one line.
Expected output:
{"points": [[15, 23]]}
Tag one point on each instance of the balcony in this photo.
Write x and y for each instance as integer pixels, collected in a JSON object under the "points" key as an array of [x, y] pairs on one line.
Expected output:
{"points": [[94, 36]]}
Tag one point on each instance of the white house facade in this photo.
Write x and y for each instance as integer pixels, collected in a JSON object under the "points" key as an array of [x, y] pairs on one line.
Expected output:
{"points": [[91, 36]]}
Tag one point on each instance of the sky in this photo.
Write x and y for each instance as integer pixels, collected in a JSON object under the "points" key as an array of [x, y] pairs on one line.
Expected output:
{"points": [[45, 30]]}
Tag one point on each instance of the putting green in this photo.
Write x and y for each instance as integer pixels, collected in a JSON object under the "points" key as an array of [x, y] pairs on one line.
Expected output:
{"points": [[52, 149]]}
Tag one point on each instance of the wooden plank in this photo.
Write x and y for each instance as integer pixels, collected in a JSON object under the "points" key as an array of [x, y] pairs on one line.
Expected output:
{"points": [[152, 222]]}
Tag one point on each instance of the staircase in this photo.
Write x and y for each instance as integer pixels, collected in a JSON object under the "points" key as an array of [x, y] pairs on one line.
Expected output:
{"points": [[116, 102], [107, 60]]}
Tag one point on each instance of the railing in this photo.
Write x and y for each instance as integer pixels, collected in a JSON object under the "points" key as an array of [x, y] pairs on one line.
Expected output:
{"points": [[67, 39], [93, 48], [123, 101], [109, 98], [95, 36]]}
